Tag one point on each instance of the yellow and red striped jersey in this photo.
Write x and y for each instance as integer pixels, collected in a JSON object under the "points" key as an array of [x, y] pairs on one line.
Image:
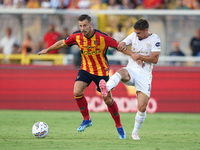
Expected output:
{"points": [[93, 51]]}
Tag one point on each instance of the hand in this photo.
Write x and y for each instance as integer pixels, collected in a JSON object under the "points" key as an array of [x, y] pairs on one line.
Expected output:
{"points": [[44, 51], [135, 56], [121, 46], [140, 62]]}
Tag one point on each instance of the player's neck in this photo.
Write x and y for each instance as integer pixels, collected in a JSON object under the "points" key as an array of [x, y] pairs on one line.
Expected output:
{"points": [[149, 34]]}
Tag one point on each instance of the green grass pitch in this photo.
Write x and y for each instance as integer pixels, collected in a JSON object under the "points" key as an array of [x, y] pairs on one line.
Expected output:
{"points": [[160, 131]]}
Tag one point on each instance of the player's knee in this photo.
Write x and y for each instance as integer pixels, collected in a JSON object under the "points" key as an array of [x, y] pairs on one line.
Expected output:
{"points": [[77, 92], [121, 72], [107, 101], [124, 74], [142, 108]]}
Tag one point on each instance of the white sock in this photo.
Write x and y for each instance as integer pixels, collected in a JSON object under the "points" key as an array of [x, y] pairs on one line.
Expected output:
{"points": [[139, 119], [113, 81]]}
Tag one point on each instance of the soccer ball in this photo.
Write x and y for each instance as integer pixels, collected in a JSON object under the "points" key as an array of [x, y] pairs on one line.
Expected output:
{"points": [[40, 130]]}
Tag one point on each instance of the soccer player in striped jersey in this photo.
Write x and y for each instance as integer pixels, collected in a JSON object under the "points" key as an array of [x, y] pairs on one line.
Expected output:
{"points": [[93, 45], [146, 47]]}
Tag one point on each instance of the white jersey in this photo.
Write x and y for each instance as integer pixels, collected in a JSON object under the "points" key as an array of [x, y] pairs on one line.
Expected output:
{"points": [[143, 47], [141, 77]]}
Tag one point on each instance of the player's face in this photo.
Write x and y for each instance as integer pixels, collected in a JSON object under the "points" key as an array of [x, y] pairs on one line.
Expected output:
{"points": [[51, 28], [141, 34], [85, 27]]}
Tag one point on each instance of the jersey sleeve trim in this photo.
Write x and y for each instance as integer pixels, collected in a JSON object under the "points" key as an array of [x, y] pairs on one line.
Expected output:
{"points": [[101, 32], [76, 32], [64, 41]]}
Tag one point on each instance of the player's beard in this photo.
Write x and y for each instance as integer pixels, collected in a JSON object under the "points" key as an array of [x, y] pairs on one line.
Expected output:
{"points": [[141, 38], [86, 34]]}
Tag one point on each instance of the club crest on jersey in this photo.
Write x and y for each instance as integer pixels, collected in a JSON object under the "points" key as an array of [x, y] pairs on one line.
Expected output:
{"points": [[147, 45], [95, 42], [157, 44]]}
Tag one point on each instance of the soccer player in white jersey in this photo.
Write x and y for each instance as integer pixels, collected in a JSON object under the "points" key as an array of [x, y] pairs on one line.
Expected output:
{"points": [[138, 72]]}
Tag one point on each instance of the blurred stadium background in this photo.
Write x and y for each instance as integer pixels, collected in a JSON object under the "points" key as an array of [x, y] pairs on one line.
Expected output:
{"points": [[46, 82]]}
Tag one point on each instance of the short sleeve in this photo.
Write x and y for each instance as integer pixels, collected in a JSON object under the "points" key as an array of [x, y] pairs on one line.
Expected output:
{"points": [[111, 42], [128, 39], [70, 40], [156, 44]]}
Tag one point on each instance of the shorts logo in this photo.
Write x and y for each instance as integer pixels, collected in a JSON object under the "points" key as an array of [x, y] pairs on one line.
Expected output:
{"points": [[149, 89], [77, 77]]}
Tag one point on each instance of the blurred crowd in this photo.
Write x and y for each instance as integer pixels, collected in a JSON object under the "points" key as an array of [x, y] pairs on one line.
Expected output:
{"points": [[10, 45], [102, 4], [117, 27]]}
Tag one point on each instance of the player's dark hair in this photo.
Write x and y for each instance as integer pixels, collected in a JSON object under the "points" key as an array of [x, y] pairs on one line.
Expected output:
{"points": [[141, 24], [84, 17]]}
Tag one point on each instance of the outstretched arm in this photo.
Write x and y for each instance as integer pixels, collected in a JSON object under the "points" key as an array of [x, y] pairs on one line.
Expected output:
{"points": [[57, 45]]}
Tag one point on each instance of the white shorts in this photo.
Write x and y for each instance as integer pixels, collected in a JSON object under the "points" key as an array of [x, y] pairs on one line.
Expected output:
{"points": [[140, 79]]}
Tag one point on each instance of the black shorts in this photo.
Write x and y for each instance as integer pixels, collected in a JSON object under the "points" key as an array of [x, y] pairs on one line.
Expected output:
{"points": [[88, 78]]}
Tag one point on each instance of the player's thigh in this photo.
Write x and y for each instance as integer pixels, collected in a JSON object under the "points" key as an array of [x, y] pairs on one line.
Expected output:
{"points": [[143, 84], [143, 100], [83, 80], [79, 87]]}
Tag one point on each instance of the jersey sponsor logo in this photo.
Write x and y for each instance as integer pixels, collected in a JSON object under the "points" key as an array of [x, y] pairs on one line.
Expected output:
{"points": [[88, 47], [157, 44], [91, 52], [142, 52]]}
